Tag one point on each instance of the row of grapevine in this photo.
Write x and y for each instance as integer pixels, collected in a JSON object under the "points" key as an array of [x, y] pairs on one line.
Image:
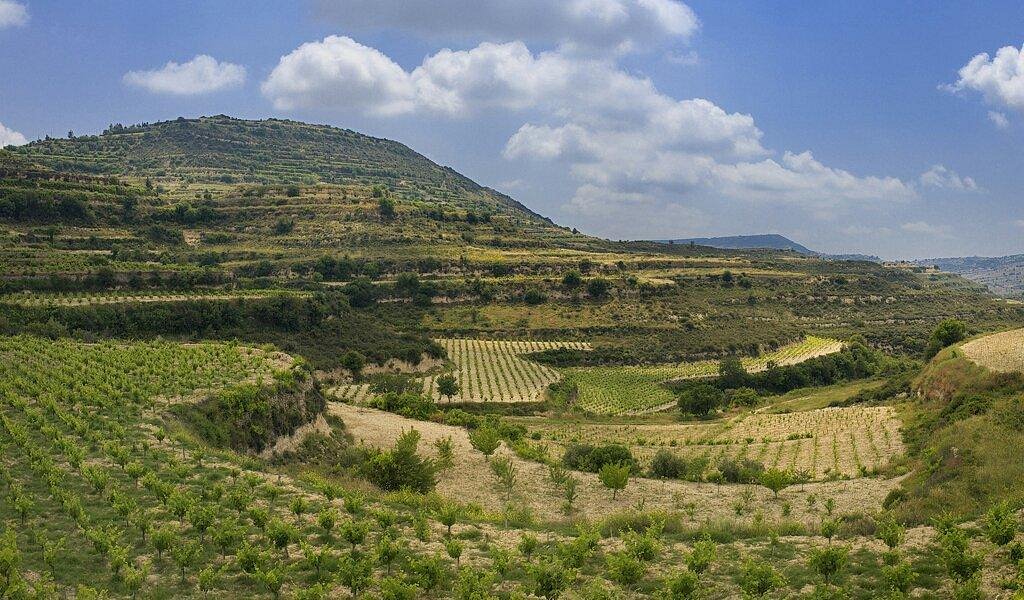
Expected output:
{"points": [[119, 297], [618, 390]]}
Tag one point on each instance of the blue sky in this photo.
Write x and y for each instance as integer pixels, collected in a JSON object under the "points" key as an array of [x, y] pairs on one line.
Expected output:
{"points": [[870, 127]]}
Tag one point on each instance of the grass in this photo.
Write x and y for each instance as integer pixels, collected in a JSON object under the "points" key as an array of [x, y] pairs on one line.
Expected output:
{"points": [[814, 398]]}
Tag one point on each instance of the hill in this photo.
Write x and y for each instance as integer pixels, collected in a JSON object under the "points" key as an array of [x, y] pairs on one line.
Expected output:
{"points": [[771, 241], [222, 149], [1003, 275]]}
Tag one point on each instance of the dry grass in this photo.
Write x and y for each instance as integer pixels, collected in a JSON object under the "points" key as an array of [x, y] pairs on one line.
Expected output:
{"points": [[999, 351]]}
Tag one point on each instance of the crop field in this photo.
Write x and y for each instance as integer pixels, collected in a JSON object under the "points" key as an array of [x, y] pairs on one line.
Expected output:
{"points": [[999, 351], [831, 441], [622, 390], [486, 370], [121, 297], [494, 371]]}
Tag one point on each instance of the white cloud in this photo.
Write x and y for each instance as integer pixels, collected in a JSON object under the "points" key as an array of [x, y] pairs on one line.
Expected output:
{"points": [[621, 138], [339, 72], [940, 177], [201, 75], [9, 137], [1019, 222], [998, 119], [686, 59], [1000, 79], [621, 25], [925, 228], [12, 14]]}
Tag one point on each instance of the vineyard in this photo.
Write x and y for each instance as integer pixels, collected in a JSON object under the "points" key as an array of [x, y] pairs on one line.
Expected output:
{"points": [[121, 297], [999, 351], [486, 371], [823, 443], [634, 389]]}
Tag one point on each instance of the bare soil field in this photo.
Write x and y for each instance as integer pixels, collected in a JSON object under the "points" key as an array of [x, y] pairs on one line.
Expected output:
{"points": [[999, 351]]}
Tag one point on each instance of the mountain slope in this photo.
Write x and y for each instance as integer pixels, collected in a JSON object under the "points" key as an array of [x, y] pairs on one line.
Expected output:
{"points": [[1003, 275], [772, 241], [222, 149]]}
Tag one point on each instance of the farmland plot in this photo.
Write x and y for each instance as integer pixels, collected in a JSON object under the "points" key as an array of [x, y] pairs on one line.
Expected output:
{"points": [[494, 371], [999, 351], [619, 390], [840, 441]]}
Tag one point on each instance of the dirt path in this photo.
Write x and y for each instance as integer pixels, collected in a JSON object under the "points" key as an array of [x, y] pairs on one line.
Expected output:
{"points": [[471, 480]]}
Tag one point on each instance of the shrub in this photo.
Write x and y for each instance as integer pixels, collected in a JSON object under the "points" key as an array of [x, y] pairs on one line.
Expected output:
{"points": [[624, 568], [587, 457], [745, 471], [682, 586], [758, 578], [401, 467], [667, 465], [946, 333], [485, 439]]}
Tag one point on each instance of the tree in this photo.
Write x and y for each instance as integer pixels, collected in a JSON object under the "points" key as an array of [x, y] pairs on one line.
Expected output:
{"points": [[758, 578], [703, 554], [185, 555], [401, 467], [598, 288], [700, 399], [485, 439], [775, 480], [946, 333], [386, 208], [353, 362], [828, 561], [731, 373], [448, 514], [506, 472], [445, 453], [447, 386], [614, 477]]}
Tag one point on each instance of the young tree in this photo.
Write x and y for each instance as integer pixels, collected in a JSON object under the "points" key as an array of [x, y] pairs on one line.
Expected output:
{"points": [[506, 472], [614, 476], [445, 453], [485, 439], [598, 287], [185, 555], [1001, 524], [828, 561], [448, 514], [703, 554], [946, 333], [447, 386], [758, 578], [731, 373], [775, 480], [354, 572]]}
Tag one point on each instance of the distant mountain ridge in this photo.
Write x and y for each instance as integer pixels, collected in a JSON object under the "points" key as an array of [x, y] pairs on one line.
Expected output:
{"points": [[1003, 275], [770, 241]]}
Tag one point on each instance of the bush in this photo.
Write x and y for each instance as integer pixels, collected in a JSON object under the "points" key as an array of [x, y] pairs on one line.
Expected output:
{"points": [[946, 333], [667, 465], [587, 457], [401, 467], [624, 568], [745, 471]]}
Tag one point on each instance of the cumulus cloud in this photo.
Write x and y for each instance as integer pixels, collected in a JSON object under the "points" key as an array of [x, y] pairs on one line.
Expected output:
{"points": [[998, 119], [9, 137], [12, 14], [621, 25], [623, 140], [999, 78], [940, 177], [201, 75]]}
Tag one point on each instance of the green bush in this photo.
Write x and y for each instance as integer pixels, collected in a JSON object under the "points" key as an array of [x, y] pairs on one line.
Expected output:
{"points": [[401, 467]]}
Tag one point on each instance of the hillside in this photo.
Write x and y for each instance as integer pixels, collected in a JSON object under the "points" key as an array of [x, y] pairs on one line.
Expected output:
{"points": [[771, 241], [221, 149], [1003, 275]]}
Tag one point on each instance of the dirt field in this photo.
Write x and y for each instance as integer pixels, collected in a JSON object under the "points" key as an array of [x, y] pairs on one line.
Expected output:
{"points": [[471, 480], [999, 351]]}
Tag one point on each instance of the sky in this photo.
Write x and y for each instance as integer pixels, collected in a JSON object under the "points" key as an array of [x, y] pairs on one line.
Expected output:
{"points": [[888, 128]]}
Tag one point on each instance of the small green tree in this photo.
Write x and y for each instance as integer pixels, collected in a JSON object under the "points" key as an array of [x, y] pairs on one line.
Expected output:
{"points": [[775, 480], [506, 472], [355, 572], [946, 333], [829, 561], [386, 208], [598, 288], [447, 386], [1001, 524], [445, 458], [354, 362], [702, 555], [614, 476], [757, 578], [485, 439], [185, 554]]}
